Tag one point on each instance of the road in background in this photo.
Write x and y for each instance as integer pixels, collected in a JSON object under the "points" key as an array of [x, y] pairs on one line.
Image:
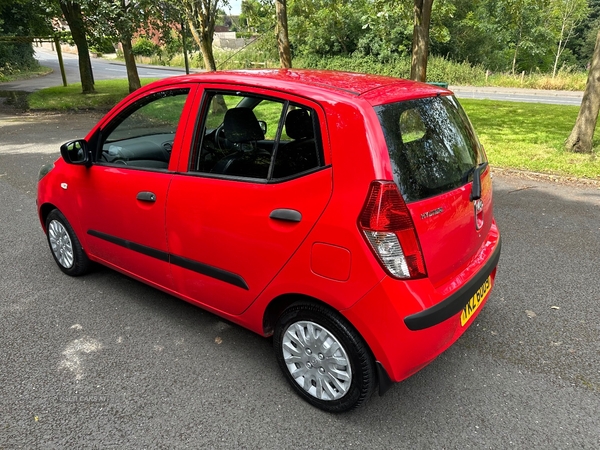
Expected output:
{"points": [[519, 95], [103, 361], [103, 69], [106, 70]]}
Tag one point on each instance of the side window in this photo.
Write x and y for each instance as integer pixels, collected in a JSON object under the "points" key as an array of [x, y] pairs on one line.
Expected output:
{"points": [[142, 136], [256, 137]]}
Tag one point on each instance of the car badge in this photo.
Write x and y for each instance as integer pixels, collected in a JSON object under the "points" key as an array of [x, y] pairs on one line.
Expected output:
{"points": [[428, 214], [478, 208]]}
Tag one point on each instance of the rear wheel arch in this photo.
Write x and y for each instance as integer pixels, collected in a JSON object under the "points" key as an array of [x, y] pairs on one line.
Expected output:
{"points": [[322, 355], [279, 304]]}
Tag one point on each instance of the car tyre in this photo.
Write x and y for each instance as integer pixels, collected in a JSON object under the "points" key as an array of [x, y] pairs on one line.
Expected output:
{"points": [[65, 246], [324, 358]]}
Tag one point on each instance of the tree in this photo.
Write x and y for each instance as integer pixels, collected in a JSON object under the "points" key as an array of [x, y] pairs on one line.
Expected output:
{"points": [[201, 16], [122, 19], [580, 139], [22, 18], [581, 45], [283, 42], [524, 27], [386, 29], [256, 15], [73, 15], [568, 14], [420, 43]]}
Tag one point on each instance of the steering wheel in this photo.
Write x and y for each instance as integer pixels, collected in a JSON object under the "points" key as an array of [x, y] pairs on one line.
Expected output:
{"points": [[220, 136]]}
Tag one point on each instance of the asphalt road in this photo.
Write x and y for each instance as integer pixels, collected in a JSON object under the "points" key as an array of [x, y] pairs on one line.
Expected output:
{"points": [[572, 98], [106, 362], [103, 70], [106, 70]]}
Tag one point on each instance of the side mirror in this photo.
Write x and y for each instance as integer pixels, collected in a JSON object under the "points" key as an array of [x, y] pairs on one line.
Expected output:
{"points": [[263, 126], [75, 152]]}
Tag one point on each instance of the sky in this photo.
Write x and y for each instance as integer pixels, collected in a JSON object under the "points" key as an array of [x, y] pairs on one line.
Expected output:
{"points": [[236, 7]]}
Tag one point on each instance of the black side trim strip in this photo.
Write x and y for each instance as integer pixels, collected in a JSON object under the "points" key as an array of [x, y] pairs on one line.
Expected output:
{"points": [[210, 271], [456, 302], [148, 251], [204, 269]]}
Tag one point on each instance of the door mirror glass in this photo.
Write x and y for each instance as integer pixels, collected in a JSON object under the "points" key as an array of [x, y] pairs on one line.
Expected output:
{"points": [[75, 152]]}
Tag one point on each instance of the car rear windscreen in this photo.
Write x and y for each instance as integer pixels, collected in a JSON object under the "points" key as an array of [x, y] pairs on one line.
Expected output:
{"points": [[432, 146]]}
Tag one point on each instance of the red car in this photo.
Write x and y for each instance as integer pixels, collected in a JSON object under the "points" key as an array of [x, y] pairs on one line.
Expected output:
{"points": [[347, 215]]}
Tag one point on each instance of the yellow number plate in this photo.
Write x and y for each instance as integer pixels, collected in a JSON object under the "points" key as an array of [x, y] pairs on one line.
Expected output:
{"points": [[475, 301]]}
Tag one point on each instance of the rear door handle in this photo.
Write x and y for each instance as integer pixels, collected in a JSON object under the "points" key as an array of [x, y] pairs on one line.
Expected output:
{"points": [[287, 215], [145, 196]]}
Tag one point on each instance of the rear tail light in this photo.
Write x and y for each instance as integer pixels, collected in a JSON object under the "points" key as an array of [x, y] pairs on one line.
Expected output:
{"points": [[389, 229]]}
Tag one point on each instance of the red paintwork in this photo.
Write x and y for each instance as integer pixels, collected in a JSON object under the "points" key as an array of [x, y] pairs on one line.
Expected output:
{"points": [[225, 223]]}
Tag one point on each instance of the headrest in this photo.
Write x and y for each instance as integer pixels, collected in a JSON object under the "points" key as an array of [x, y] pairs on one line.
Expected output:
{"points": [[240, 125], [299, 124]]}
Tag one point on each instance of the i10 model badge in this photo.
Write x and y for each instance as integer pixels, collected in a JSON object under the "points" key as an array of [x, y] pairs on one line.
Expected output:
{"points": [[478, 207]]}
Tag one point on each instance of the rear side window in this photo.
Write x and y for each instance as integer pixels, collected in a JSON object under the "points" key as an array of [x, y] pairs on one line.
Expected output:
{"points": [[432, 145], [254, 137]]}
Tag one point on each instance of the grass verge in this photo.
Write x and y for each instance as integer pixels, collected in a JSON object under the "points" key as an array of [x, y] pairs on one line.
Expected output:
{"points": [[531, 136], [108, 93], [24, 75], [521, 136]]}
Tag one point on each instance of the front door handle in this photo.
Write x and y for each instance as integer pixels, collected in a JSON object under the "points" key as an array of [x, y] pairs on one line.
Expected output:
{"points": [[287, 215], [145, 196]]}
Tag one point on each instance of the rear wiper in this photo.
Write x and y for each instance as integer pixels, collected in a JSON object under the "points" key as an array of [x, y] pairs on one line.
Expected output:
{"points": [[476, 189]]}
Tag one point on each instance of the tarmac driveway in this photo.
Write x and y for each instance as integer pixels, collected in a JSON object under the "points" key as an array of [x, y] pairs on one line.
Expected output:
{"points": [[104, 361]]}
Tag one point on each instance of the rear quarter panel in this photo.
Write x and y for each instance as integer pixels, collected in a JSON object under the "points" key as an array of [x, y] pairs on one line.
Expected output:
{"points": [[356, 161]]}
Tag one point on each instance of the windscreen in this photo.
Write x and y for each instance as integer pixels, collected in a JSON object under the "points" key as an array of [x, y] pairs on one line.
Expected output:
{"points": [[432, 146]]}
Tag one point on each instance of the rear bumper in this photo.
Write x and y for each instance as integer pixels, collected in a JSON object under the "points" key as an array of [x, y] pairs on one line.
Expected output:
{"points": [[408, 324], [456, 302]]}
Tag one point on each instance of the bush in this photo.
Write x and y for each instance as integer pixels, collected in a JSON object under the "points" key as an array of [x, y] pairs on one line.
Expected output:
{"points": [[438, 69], [15, 58], [102, 45], [144, 47]]}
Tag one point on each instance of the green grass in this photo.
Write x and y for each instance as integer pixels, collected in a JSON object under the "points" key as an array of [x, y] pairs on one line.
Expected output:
{"points": [[531, 136], [108, 93], [25, 74], [523, 136]]}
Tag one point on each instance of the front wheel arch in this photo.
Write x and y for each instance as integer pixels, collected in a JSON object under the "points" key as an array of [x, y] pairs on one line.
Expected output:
{"points": [[44, 210], [65, 247]]}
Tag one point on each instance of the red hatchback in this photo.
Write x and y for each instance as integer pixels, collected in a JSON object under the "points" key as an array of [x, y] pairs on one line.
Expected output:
{"points": [[349, 216]]}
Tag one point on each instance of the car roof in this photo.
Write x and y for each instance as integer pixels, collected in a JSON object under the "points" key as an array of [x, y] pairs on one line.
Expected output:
{"points": [[376, 89]]}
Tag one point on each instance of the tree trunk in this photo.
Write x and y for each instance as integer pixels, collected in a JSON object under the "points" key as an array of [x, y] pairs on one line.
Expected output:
{"points": [[420, 42], [194, 32], [73, 16], [283, 42], [558, 50], [206, 42], [580, 139], [132, 73], [556, 58], [514, 61]]}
